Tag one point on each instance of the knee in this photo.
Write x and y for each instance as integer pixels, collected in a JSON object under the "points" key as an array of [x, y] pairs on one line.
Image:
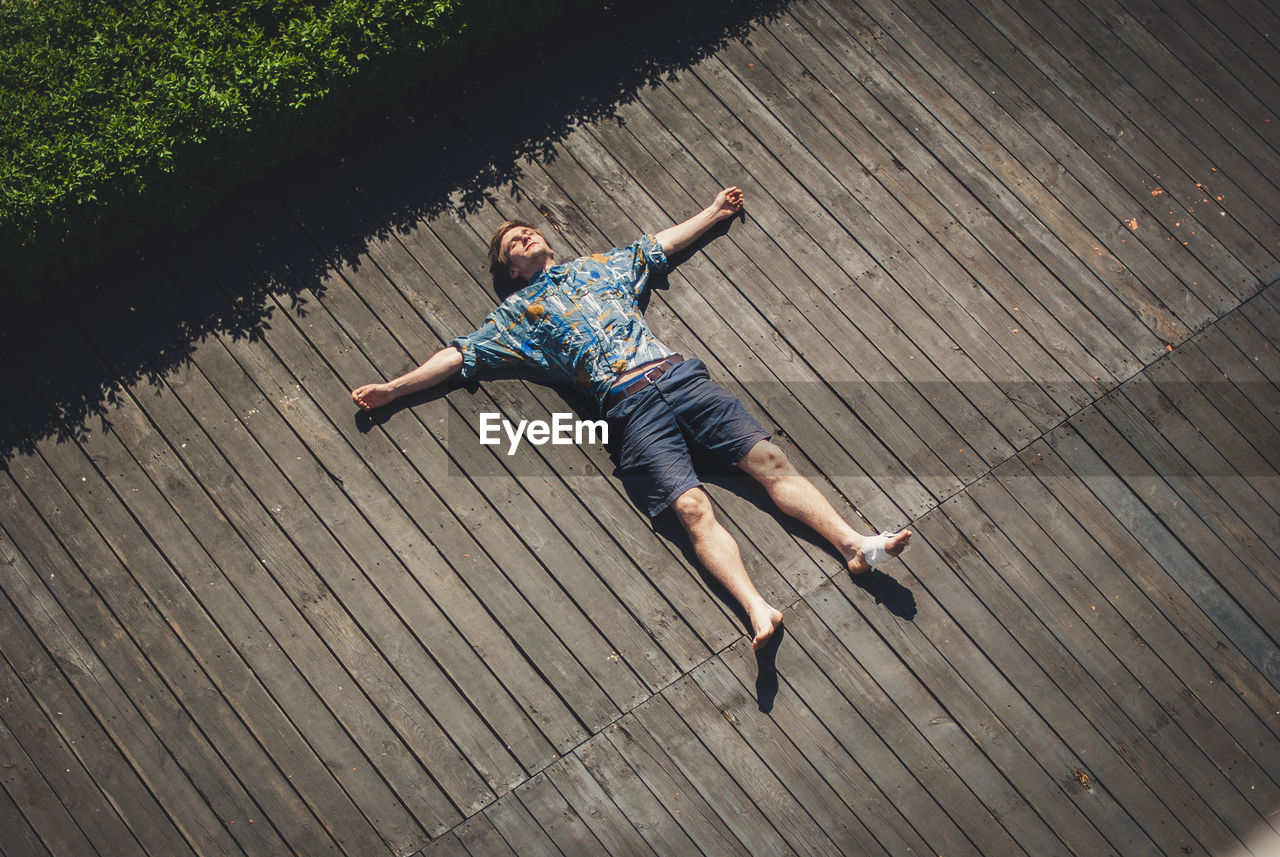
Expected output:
{"points": [[693, 508], [767, 461]]}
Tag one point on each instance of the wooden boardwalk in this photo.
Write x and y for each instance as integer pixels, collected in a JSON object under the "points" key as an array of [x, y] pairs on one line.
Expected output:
{"points": [[1008, 275]]}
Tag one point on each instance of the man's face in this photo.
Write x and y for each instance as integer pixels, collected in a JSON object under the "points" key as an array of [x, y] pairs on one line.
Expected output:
{"points": [[527, 251]]}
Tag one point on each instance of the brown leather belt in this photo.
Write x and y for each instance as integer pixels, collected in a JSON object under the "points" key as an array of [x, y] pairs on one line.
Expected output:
{"points": [[638, 383]]}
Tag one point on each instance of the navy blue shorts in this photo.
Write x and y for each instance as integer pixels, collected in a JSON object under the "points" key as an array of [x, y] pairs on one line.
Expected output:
{"points": [[659, 424]]}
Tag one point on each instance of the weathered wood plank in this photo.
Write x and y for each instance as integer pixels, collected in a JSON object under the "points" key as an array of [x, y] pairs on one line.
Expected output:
{"points": [[520, 829], [1251, 330], [562, 822], [1177, 535], [650, 763], [868, 767], [844, 805], [443, 724], [1250, 27], [943, 121], [1204, 107], [1085, 675], [1034, 82], [734, 767], [1180, 282], [948, 293], [674, 742], [1107, 610], [1264, 314], [1013, 274], [153, 728], [948, 726], [1195, 153], [216, 620], [16, 835], [1235, 500], [52, 774], [612, 827], [1114, 541], [907, 785], [272, 624], [1232, 74], [282, 529], [617, 780], [1218, 370], [1042, 690], [1246, 392], [482, 839], [949, 375], [447, 845]]}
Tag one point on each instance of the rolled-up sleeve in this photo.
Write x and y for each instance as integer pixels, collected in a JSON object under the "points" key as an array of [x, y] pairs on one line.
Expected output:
{"points": [[646, 257], [493, 344]]}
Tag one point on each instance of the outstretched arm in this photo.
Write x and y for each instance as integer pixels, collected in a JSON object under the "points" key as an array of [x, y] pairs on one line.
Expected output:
{"points": [[674, 239], [441, 365]]}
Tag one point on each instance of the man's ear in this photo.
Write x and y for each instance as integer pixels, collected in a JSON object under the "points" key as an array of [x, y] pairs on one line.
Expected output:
{"points": [[513, 272]]}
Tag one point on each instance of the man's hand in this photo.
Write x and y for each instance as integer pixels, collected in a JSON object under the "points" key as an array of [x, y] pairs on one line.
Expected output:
{"points": [[371, 396], [728, 203], [442, 364]]}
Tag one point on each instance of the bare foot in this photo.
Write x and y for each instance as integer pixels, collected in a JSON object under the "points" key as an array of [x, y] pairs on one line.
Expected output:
{"points": [[764, 622], [371, 396], [895, 545]]}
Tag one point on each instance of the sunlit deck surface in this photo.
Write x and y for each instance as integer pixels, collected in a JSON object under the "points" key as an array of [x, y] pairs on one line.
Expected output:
{"points": [[1007, 276]]}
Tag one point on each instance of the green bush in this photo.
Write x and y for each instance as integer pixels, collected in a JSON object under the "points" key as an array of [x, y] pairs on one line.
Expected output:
{"points": [[121, 116]]}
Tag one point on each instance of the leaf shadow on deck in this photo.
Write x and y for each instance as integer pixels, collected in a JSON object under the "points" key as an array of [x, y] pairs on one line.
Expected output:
{"points": [[174, 294]]}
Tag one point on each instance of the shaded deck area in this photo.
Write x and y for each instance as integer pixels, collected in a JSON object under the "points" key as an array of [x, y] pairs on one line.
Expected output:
{"points": [[1008, 275]]}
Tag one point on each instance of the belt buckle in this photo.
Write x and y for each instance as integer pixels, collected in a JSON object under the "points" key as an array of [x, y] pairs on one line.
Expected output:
{"points": [[660, 368]]}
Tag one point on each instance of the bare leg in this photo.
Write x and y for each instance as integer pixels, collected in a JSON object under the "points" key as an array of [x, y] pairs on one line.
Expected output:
{"points": [[801, 499], [718, 552]]}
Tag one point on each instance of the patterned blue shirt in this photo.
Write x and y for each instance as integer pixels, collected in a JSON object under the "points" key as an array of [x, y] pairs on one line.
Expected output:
{"points": [[579, 322]]}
